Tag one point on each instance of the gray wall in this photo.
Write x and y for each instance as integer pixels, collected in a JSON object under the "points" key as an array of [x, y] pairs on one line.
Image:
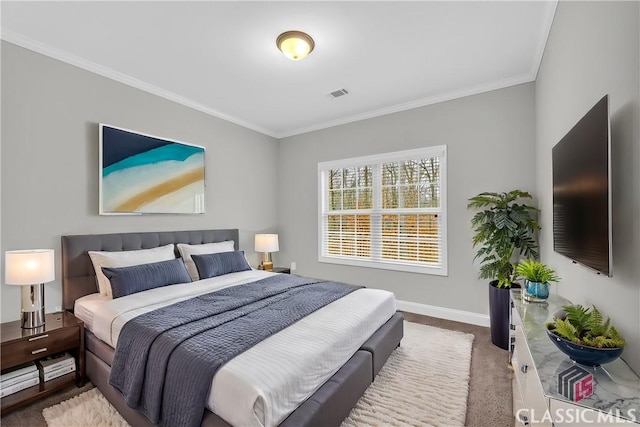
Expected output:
{"points": [[593, 50], [490, 143], [50, 116]]}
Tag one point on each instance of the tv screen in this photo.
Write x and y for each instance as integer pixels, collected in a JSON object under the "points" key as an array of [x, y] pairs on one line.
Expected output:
{"points": [[582, 191]]}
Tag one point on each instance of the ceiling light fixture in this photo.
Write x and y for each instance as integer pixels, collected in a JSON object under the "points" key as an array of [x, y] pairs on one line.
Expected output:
{"points": [[295, 45]]}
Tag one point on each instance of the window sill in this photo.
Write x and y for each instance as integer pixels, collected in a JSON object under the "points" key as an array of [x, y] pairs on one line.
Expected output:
{"points": [[433, 271]]}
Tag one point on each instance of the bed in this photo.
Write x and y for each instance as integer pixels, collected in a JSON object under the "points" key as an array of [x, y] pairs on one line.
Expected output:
{"points": [[327, 404]]}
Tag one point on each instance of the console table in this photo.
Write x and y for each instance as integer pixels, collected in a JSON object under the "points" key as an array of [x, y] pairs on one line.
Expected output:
{"points": [[537, 362]]}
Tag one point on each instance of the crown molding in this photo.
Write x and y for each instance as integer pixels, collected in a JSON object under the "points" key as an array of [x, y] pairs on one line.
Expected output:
{"points": [[28, 43], [542, 43], [423, 102]]}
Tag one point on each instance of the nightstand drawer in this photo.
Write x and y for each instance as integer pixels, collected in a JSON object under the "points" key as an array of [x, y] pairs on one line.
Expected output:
{"points": [[39, 346]]}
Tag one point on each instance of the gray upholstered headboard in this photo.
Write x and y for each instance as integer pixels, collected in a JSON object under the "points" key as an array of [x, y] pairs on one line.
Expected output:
{"points": [[78, 275]]}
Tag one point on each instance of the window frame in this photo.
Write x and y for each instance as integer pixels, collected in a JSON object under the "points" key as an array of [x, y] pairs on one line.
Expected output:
{"points": [[439, 151]]}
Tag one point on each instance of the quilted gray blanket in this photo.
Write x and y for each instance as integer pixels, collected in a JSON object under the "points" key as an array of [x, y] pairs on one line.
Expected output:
{"points": [[165, 360]]}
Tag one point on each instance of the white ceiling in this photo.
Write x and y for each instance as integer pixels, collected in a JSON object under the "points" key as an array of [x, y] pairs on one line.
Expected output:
{"points": [[221, 58]]}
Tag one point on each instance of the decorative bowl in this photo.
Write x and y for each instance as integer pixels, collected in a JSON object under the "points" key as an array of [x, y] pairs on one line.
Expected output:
{"points": [[588, 356]]}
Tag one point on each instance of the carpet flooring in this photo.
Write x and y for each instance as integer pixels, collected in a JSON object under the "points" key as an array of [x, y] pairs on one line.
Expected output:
{"points": [[425, 382], [490, 395], [489, 400]]}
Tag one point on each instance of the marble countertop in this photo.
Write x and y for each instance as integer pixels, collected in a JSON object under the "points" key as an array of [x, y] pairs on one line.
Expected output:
{"points": [[616, 387]]}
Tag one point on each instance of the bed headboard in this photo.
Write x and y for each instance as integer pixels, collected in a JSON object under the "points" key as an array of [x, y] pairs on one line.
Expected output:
{"points": [[78, 275]]}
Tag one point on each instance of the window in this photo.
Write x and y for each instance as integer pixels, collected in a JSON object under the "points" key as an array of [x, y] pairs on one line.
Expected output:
{"points": [[385, 211]]}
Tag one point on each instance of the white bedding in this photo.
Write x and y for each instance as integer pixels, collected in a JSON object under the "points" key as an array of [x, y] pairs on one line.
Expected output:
{"points": [[261, 386]]}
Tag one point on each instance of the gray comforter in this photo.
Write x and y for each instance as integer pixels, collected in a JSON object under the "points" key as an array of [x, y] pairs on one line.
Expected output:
{"points": [[165, 360]]}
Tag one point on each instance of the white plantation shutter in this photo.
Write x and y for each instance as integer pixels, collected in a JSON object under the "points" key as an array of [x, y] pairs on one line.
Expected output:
{"points": [[385, 211]]}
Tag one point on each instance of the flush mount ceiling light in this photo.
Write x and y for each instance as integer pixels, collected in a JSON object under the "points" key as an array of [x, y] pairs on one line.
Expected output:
{"points": [[295, 45]]}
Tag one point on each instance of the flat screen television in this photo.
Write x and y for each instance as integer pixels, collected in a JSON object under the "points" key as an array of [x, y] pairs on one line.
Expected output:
{"points": [[582, 191]]}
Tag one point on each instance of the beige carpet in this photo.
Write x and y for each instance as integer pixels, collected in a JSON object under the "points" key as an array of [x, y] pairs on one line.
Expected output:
{"points": [[424, 383], [90, 408]]}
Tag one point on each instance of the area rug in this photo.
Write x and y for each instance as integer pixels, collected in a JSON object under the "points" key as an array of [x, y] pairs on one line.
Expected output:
{"points": [[424, 383]]}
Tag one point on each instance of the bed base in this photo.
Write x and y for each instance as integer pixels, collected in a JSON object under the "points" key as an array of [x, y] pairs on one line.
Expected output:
{"points": [[328, 406]]}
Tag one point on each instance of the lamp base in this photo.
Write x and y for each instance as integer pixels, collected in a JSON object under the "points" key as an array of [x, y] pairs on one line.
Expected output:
{"points": [[32, 306], [32, 319], [266, 264]]}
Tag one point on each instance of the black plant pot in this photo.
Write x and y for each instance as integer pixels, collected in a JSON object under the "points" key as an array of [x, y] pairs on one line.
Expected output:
{"points": [[499, 315]]}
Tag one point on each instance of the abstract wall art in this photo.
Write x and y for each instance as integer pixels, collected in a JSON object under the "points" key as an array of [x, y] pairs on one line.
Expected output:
{"points": [[142, 174]]}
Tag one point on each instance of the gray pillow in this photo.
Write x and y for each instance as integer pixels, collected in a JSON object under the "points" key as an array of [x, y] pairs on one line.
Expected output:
{"points": [[138, 278], [212, 265]]}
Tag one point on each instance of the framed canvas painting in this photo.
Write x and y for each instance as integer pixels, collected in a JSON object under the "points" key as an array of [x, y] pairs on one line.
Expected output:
{"points": [[144, 174]]}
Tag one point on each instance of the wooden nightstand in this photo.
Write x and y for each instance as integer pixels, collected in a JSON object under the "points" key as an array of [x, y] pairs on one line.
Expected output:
{"points": [[61, 332], [284, 270]]}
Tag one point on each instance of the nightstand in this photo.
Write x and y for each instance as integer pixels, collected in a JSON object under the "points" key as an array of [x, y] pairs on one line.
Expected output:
{"points": [[284, 270], [61, 332]]}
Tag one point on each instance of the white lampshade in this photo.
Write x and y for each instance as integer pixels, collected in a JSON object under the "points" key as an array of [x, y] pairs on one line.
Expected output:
{"points": [[267, 243], [29, 267]]}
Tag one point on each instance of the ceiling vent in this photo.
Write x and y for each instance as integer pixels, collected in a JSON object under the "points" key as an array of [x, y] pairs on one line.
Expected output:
{"points": [[338, 93]]}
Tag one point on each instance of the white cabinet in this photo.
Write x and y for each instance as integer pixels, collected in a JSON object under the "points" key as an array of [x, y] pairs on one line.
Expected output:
{"points": [[537, 363], [529, 389]]}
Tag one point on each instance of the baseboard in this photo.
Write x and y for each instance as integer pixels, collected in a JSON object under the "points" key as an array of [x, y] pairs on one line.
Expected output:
{"points": [[444, 313]]}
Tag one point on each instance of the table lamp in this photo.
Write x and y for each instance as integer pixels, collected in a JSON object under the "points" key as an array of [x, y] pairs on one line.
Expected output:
{"points": [[266, 243], [30, 269]]}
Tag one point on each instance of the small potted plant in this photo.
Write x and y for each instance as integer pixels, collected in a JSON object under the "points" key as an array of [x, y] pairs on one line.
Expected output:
{"points": [[583, 335], [537, 277]]}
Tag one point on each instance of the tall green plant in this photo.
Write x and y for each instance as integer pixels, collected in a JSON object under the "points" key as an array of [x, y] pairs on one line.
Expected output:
{"points": [[501, 228]]}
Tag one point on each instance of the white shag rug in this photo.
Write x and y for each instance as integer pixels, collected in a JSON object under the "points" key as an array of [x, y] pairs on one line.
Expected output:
{"points": [[424, 383], [89, 409]]}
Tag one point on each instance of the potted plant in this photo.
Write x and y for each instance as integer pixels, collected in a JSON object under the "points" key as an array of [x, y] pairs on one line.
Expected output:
{"points": [[503, 228], [583, 335], [537, 277]]}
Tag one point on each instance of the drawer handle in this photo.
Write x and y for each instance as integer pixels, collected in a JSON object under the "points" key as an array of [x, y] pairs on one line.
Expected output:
{"points": [[524, 419], [523, 368], [38, 337], [40, 350]]}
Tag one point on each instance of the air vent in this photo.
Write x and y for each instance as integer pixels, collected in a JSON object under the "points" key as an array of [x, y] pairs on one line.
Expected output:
{"points": [[338, 93]]}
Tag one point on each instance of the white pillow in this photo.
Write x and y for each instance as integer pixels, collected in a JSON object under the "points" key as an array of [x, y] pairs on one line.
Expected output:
{"points": [[206, 248], [126, 259]]}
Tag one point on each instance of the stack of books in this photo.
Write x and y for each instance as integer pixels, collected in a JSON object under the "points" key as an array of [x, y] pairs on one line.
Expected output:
{"points": [[19, 378], [56, 365]]}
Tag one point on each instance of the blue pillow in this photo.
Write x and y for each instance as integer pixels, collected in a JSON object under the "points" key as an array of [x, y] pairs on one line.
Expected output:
{"points": [[138, 278], [212, 265]]}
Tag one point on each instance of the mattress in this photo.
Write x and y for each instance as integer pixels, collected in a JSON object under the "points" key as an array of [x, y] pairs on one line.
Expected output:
{"points": [[261, 386]]}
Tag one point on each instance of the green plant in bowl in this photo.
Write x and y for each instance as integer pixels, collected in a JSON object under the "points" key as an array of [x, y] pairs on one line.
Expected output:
{"points": [[583, 334]]}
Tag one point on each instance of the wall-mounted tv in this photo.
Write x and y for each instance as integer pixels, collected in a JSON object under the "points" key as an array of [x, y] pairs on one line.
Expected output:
{"points": [[582, 191], [141, 173]]}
